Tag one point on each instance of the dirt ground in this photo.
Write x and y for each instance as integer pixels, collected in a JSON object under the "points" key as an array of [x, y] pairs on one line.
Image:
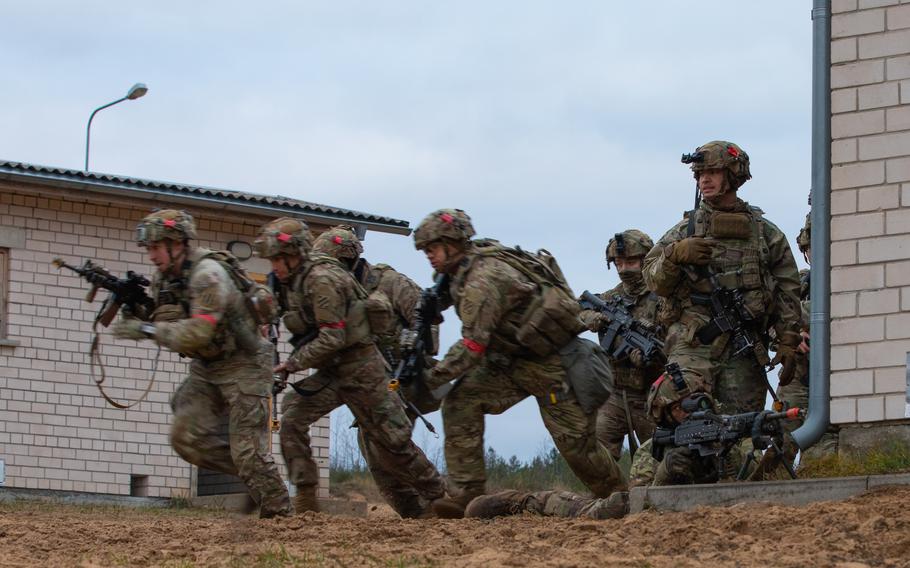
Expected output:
{"points": [[869, 530]]}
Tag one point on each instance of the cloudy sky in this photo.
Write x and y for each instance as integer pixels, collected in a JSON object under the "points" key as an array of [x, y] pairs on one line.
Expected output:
{"points": [[553, 124]]}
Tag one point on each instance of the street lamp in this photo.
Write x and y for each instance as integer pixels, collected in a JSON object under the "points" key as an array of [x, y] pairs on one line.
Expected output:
{"points": [[136, 91]]}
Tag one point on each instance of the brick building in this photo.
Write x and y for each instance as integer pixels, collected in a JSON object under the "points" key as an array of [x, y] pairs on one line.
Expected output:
{"points": [[870, 216], [56, 432]]}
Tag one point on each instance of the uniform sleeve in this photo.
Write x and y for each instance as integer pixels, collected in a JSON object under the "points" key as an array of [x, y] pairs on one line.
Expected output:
{"points": [[210, 293], [661, 275], [404, 294], [787, 307], [481, 310], [330, 310]]}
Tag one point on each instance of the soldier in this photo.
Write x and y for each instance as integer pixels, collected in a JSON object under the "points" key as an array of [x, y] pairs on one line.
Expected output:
{"points": [[678, 466], [625, 411], [726, 255], [342, 243], [326, 306], [796, 394], [503, 358], [201, 313]]}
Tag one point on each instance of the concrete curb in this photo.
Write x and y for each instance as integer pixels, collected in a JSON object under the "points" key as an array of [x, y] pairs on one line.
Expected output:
{"points": [[11, 494], [792, 492]]}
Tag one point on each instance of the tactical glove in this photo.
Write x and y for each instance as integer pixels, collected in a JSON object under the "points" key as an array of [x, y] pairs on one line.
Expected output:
{"points": [[788, 356], [128, 329], [675, 469], [594, 321], [691, 250], [637, 358]]}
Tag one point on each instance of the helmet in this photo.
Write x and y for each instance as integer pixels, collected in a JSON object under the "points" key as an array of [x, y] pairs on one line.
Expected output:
{"points": [[671, 387], [721, 155], [284, 236], [340, 242], [630, 243], [804, 239], [451, 224], [165, 224]]}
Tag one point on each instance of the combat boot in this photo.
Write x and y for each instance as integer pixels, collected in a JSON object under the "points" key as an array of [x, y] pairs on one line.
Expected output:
{"points": [[615, 506], [499, 504], [448, 508], [305, 500]]}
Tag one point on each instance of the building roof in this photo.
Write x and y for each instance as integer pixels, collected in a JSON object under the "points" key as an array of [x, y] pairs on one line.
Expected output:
{"points": [[211, 196]]}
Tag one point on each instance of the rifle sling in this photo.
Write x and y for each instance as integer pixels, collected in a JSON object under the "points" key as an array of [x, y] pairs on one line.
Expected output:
{"points": [[95, 356]]}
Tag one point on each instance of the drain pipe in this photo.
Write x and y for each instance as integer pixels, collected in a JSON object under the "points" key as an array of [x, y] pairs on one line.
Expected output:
{"points": [[820, 284]]}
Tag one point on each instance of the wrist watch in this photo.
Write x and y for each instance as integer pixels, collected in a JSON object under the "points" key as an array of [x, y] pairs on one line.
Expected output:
{"points": [[147, 328]]}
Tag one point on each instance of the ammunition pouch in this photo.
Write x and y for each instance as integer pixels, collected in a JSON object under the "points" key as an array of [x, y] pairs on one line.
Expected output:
{"points": [[357, 324], [587, 372], [380, 313], [550, 322], [731, 226]]}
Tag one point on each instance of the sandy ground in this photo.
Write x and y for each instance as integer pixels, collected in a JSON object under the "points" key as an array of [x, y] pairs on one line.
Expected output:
{"points": [[869, 530]]}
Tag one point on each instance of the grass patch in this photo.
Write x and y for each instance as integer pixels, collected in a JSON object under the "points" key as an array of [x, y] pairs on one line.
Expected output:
{"points": [[889, 457]]}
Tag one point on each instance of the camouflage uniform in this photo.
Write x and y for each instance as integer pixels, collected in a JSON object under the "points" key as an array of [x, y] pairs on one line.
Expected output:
{"points": [[342, 243], [646, 471], [491, 297], [323, 300], [201, 314], [631, 378], [747, 253], [796, 394]]}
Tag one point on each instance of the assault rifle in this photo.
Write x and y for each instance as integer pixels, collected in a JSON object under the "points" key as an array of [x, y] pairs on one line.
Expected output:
{"points": [[632, 333], [714, 435], [417, 343], [729, 314], [129, 291]]}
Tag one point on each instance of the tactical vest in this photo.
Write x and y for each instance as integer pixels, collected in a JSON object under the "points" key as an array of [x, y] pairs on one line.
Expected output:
{"points": [[389, 342], [235, 331], [739, 261], [300, 318], [643, 308]]}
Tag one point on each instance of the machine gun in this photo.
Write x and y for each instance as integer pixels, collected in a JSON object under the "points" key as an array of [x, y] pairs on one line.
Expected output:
{"points": [[129, 291], [417, 343], [714, 435], [632, 333]]}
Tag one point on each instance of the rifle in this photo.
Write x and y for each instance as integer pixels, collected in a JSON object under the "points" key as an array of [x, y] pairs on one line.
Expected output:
{"points": [[714, 435], [729, 314], [632, 333], [417, 344], [129, 291]]}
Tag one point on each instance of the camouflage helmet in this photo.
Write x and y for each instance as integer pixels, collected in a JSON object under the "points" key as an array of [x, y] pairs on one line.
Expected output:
{"points": [[450, 224], [670, 388], [630, 243], [283, 236], [804, 239], [165, 224], [721, 155], [340, 242]]}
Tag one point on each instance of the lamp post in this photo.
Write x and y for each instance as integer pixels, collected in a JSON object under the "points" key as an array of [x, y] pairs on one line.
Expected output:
{"points": [[136, 91]]}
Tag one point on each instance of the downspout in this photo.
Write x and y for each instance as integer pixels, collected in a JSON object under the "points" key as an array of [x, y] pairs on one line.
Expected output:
{"points": [[820, 284]]}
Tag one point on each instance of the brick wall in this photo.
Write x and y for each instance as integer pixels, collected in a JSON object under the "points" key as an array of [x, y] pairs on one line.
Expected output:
{"points": [[870, 207], [56, 432]]}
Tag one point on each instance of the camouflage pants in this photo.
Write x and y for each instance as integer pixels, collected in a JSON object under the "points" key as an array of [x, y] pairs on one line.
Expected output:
{"points": [[565, 504], [360, 382], [491, 390], [613, 424], [796, 395], [239, 388], [736, 383]]}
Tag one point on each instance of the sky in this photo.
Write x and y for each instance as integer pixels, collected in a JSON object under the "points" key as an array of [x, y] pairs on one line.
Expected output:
{"points": [[553, 124]]}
